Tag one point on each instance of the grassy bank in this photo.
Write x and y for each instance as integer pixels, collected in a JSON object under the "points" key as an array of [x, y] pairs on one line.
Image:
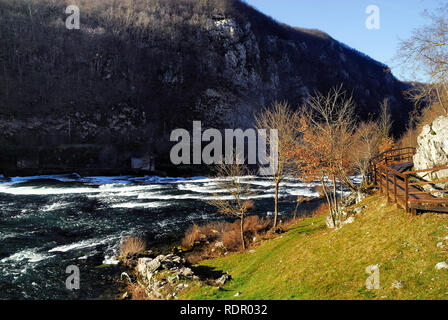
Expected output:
{"points": [[313, 262]]}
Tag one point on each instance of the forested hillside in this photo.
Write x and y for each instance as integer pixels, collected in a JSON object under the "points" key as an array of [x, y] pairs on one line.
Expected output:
{"points": [[135, 70]]}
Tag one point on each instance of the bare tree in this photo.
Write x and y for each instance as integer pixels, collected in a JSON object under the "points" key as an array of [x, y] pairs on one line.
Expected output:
{"points": [[237, 204], [327, 126], [281, 118], [427, 52]]}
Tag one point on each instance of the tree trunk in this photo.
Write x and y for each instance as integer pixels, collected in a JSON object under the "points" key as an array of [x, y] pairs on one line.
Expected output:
{"points": [[330, 205], [346, 180], [276, 203], [295, 210], [242, 232], [335, 200], [335, 196]]}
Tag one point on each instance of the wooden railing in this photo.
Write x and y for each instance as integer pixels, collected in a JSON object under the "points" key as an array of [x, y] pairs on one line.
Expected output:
{"points": [[399, 184], [395, 156], [389, 173], [390, 157]]}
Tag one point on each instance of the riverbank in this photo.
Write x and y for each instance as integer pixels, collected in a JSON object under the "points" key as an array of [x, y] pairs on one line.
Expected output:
{"points": [[166, 268], [51, 222], [311, 261]]}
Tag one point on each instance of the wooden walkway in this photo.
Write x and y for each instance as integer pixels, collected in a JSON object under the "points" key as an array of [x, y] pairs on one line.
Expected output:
{"points": [[390, 172]]}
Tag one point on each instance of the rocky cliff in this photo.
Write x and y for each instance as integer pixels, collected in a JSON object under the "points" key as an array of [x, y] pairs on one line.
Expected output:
{"points": [[135, 70], [432, 150]]}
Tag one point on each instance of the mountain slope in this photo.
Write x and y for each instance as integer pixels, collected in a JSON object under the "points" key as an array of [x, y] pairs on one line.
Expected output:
{"points": [[138, 69]]}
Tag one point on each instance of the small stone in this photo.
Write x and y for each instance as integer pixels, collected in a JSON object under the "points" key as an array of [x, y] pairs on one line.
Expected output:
{"points": [[186, 272], [223, 279], [440, 245], [181, 286], [349, 220], [359, 209], [219, 244], [441, 265]]}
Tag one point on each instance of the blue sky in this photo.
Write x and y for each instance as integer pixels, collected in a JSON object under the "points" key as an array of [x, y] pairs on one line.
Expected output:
{"points": [[344, 20]]}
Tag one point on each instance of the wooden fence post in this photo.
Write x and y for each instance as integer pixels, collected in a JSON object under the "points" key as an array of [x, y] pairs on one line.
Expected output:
{"points": [[380, 176], [387, 185], [395, 188], [406, 194], [374, 175]]}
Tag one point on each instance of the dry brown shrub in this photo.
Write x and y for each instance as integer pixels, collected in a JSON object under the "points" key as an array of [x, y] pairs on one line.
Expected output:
{"points": [[196, 258], [255, 225], [231, 239], [249, 205], [132, 245], [212, 230], [137, 292], [427, 116], [324, 208], [227, 233], [409, 139], [386, 144], [432, 112], [207, 232], [191, 236]]}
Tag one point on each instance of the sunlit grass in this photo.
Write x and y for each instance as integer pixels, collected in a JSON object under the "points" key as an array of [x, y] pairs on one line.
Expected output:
{"points": [[313, 262]]}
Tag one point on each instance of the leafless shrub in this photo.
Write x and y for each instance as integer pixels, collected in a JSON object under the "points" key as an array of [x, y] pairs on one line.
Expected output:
{"points": [[230, 176], [132, 245]]}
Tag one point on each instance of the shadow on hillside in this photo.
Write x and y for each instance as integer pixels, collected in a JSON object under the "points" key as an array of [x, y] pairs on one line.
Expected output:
{"points": [[206, 273]]}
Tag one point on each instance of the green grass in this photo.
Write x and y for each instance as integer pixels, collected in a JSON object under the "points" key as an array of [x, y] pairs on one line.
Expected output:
{"points": [[313, 262]]}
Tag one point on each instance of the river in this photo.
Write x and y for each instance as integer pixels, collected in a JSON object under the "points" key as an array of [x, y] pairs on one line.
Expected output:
{"points": [[50, 222]]}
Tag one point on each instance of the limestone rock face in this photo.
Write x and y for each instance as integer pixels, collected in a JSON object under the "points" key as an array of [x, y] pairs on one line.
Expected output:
{"points": [[432, 148]]}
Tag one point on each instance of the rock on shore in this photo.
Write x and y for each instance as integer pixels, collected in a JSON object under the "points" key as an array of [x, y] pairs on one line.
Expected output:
{"points": [[163, 276]]}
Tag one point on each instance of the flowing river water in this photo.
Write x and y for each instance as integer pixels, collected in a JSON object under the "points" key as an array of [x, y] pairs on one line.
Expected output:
{"points": [[50, 222]]}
